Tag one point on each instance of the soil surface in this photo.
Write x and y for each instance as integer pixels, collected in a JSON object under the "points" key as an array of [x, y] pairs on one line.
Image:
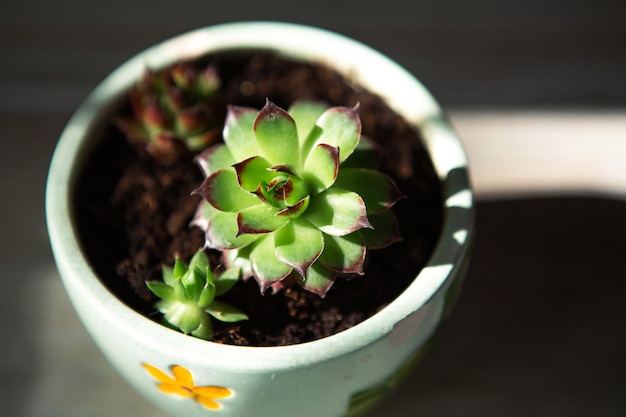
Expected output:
{"points": [[133, 212]]}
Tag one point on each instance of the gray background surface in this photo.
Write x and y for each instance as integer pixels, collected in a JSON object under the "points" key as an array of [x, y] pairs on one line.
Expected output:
{"points": [[540, 327]]}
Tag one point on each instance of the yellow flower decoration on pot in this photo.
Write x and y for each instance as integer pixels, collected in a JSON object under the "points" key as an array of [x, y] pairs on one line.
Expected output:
{"points": [[182, 384]]}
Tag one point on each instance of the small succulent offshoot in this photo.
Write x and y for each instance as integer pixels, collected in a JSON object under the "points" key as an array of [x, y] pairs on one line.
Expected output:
{"points": [[278, 203], [173, 112], [188, 296]]}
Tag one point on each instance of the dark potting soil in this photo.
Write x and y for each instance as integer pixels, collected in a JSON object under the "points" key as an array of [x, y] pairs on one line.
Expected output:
{"points": [[133, 213]]}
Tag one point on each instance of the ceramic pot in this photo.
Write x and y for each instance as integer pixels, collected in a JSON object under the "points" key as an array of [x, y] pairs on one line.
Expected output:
{"points": [[341, 375]]}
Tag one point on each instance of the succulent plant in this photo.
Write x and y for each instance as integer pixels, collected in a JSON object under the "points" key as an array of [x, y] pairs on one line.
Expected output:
{"points": [[172, 111], [187, 296], [278, 203]]}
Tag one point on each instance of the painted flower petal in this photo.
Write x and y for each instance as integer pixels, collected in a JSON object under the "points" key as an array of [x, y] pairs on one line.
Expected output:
{"points": [[385, 232], [259, 219], [176, 390], [159, 375], [253, 171], [379, 191], [267, 268], [239, 132], [319, 279], [299, 244], [183, 376], [212, 392], [344, 253], [221, 189], [207, 402], [214, 158], [321, 167], [276, 134], [337, 212], [341, 127], [305, 114], [222, 233]]}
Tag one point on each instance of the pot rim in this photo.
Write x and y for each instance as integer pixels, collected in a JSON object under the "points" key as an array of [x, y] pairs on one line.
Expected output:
{"points": [[415, 103]]}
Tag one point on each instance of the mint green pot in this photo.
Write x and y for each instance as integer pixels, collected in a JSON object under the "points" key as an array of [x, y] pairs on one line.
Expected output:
{"points": [[342, 375]]}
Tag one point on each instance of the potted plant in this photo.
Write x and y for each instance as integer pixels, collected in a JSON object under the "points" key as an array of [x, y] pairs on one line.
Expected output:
{"points": [[302, 186]]}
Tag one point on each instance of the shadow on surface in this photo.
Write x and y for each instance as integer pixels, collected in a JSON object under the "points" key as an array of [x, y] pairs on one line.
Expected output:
{"points": [[539, 327]]}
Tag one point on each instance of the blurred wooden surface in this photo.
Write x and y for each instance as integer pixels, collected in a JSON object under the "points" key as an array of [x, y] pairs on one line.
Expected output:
{"points": [[539, 329]]}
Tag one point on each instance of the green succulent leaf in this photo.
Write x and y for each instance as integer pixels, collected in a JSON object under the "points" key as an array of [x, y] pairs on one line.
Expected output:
{"points": [[239, 133], [184, 315], [191, 121], [226, 312], [214, 159], [226, 280], [252, 172], [337, 212], [168, 275], [221, 189], [296, 210], [161, 289], [207, 295], [321, 167], [223, 232], [305, 114], [341, 127], [259, 219], [207, 82], [204, 213], [205, 329], [266, 267], [344, 254], [200, 261], [200, 141], [379, 191], [319, 279], [276, 134], [180, 269], [299, 244], [193, 281], [239, 259], [385, 230], [180, 292]]}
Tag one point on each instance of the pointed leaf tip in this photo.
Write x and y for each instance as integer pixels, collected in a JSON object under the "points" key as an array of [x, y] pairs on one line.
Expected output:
{"points": [[338, 212], [319, 279], [341, 127], [299, 244], [276, 134]]}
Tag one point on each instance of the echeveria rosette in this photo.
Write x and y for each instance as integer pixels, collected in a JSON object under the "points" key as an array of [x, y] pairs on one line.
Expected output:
{"points": [[173, 112], [277, 203], [187, 296]]}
